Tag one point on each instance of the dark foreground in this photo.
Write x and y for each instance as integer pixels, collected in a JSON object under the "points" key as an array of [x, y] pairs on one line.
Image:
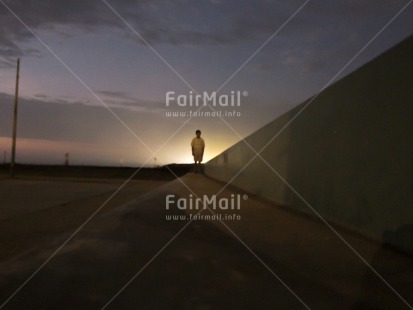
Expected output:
{"points": [[168, 172], [130, 255]]}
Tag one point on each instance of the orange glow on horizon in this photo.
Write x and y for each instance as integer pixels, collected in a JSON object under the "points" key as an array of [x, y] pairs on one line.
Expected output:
{"points": [[39, 151]]}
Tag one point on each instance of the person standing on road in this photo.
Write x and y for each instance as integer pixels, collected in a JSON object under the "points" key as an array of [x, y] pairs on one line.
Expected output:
{"points": [[198, 146]]}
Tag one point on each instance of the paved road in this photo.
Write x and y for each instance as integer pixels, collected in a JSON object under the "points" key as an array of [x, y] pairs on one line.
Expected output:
{"points": [[130, 256]]}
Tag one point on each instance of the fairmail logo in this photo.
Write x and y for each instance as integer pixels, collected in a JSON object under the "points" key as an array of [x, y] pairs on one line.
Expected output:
{"points": [[233, 99], [197, 203]]}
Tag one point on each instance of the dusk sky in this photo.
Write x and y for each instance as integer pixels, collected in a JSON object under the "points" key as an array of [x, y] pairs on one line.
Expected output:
{"points": [[95, 74]]}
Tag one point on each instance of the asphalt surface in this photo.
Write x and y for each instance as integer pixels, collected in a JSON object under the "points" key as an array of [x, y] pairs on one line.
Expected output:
{"points": [[135, 253]]}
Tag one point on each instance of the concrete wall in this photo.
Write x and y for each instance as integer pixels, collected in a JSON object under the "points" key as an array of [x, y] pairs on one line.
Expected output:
{"points": [[349, 154]]}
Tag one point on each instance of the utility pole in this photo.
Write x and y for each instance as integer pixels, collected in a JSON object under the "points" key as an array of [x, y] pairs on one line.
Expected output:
{"points": [[16, 100]]}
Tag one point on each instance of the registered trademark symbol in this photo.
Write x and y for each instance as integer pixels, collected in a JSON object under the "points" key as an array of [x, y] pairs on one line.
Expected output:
{"points": [[245, 93], [245, 196]]}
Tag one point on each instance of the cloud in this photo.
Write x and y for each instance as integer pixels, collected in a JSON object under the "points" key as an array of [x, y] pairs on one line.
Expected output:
{"points": [[328, 35], [123, 100], [324, 27], [114, 94], [158, 21], [65, 118], [227, 23], [42, 15]]}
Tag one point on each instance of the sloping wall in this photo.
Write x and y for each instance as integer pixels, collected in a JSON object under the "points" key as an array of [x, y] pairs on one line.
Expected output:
{"points": [[349, 154]]}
